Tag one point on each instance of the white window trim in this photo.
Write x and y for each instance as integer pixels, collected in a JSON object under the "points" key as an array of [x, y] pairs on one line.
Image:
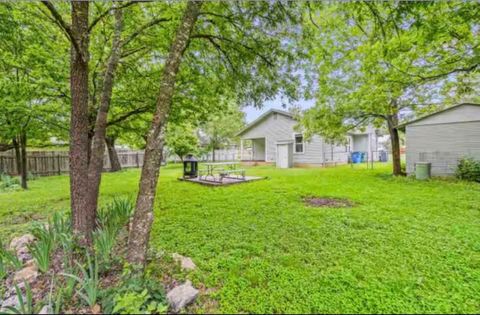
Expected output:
{"points": [[295, 143]]}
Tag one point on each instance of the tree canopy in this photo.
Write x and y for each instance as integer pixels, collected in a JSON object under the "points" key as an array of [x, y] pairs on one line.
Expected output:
{"points": [[380, 62]]}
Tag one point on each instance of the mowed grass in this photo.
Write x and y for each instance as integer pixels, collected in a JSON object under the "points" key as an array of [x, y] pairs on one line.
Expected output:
{"points": [[406, 247]]}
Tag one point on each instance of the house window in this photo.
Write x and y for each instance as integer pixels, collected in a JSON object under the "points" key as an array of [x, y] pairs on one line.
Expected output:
{"points": [[299, 143]]}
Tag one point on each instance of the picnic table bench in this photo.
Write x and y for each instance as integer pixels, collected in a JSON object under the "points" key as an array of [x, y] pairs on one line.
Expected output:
{"points": [[223, 170]]}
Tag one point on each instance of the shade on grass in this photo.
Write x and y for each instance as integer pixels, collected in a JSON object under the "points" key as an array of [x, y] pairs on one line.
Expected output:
{"points": [[405, 246]]}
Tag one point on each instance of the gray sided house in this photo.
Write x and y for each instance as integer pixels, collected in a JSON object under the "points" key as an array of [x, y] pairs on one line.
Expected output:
{"points": [[272, 138], [443, 138]]}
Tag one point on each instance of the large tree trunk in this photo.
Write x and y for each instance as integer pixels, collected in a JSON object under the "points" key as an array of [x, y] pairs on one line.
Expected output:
{"points": [[95, 165], [23, 164], [143, 218], [83, 220], [392, 122], [115, 165]]}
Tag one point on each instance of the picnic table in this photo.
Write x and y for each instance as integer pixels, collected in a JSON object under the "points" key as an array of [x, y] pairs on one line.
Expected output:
{"points": [[217, 171]]}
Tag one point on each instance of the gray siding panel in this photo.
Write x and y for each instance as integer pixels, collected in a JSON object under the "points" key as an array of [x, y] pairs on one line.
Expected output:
{"points": [[459, 114], [312, 152], [442, 145]]}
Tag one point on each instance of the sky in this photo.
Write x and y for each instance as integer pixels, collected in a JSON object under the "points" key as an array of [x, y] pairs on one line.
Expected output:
{"points": [[253, 113]]}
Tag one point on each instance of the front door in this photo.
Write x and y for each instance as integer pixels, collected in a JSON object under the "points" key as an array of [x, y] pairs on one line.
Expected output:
{"points": [[282, 156]]}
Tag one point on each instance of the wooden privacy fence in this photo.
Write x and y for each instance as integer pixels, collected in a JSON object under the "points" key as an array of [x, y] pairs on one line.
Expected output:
{"points": [[47, 163]]}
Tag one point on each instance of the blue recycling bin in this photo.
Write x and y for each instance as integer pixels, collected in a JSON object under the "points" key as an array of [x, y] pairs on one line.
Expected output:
{"points": [[357, 157]]}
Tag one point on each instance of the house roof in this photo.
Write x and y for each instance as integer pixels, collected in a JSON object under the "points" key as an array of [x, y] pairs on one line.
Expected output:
{"points": [[402, 126], [262, 117]]}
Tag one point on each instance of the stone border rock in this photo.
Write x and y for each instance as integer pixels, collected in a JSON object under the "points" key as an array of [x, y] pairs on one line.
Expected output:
{"points": [[186, 263], [181, 296]]}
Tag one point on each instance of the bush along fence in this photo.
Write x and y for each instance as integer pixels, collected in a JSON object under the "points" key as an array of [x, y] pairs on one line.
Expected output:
{"points": [[46, 163]]}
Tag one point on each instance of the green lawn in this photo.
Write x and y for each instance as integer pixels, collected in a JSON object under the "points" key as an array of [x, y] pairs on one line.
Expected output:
{"points": [[408, 246]]}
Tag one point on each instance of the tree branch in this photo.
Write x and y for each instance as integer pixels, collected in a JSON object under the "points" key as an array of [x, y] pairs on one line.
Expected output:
{"points": [[106, 12], [208, 36], [445, 74], [311, 17], [64, 26], [125, 116], [132, 51], [218, 48], [142, 28]]}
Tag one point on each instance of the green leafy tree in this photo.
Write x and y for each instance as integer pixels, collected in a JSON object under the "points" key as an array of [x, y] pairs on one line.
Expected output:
{"points": [[363, 53], [89, 33], [182, 140], [220, 130], [32, 106]]}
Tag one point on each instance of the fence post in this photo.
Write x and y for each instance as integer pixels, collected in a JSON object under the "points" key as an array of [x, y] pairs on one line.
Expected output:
{"points": [[138, 164], [36, 164], [1, 163], [58, 164]]}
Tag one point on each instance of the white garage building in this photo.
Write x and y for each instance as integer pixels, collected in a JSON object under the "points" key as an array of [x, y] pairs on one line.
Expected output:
{"points": [[443, 138]]}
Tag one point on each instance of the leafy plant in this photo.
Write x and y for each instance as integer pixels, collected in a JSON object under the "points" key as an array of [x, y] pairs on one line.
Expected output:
{"points": [[104, 241], [138, 303], [123, 208], [68, 289], [9, 258], [66, 242], [468, 169], [44, 233], [24, 306], [31, 176], [3, 269], [116, 214], [130, 302], [41, 251], [8, 182], [111, 219], [58, 302], [135, 295], [60, 223], [62, 234], [55, 299], [89, 282], [46, 239]]}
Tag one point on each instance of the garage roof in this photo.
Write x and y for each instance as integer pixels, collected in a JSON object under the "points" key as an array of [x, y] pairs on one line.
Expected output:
{"points": [[402, 126], [262, 117]]}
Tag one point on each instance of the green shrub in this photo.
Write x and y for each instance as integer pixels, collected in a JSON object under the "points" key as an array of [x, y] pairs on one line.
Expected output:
{"points": [[468, 169], [31, 176], [136, 294], [8, 182], [122, 208], [115, 214]]}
